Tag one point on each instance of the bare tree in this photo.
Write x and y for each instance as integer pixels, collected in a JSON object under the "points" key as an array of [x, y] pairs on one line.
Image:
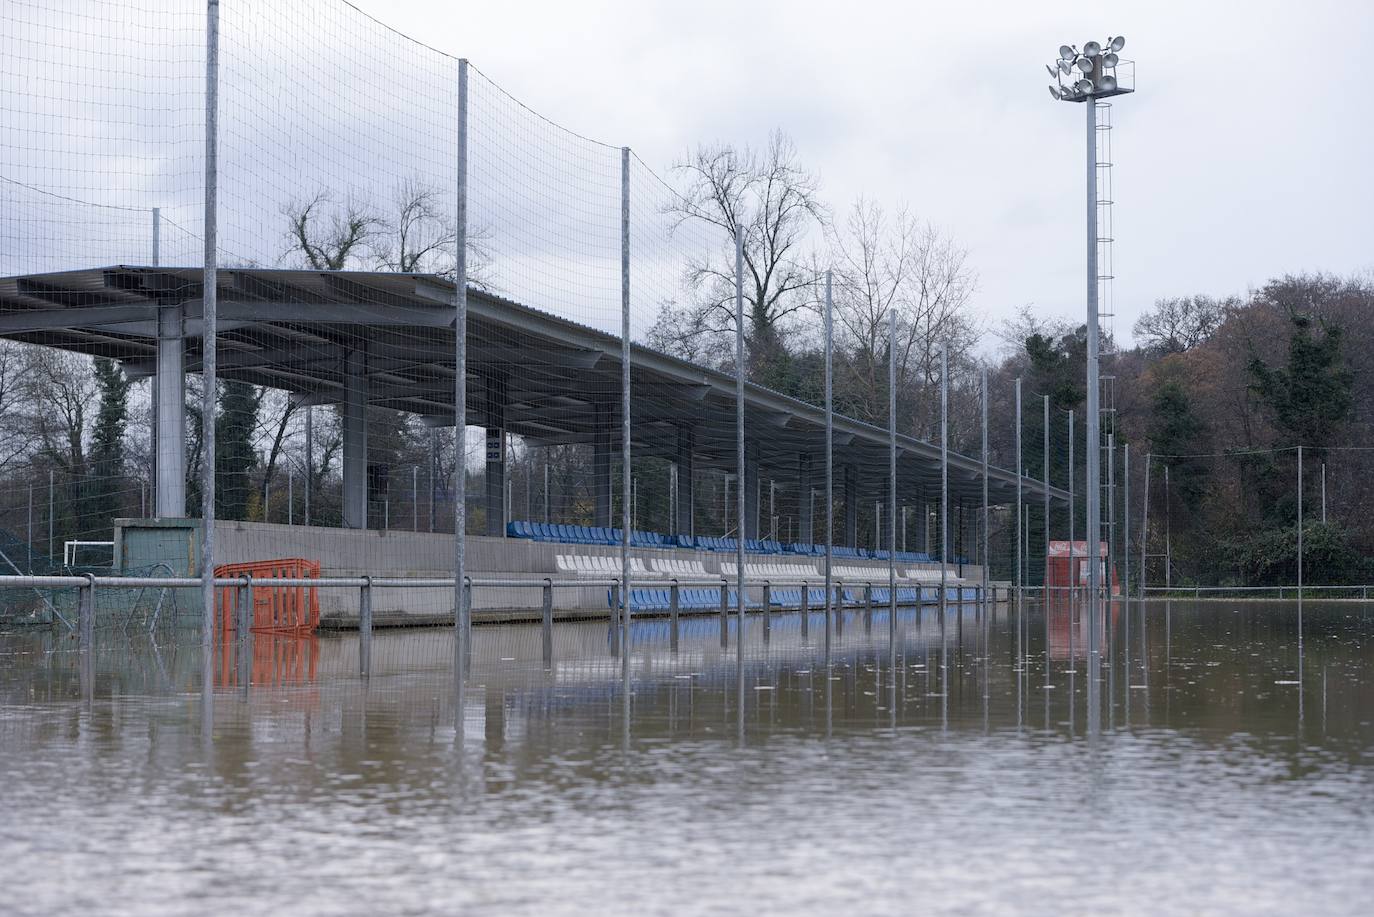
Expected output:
{"points": [[1181, 323], [15, 433], [771, 200], [326, 233], [898, 264], [59, 389]]}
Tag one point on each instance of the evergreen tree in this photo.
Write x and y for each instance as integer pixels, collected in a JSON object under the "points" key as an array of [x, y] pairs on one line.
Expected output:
{"points": [[1309, 399], [107, 442], [235, 458]]}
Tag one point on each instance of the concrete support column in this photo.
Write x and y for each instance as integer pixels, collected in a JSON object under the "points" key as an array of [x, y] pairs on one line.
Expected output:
{"points": [[496, 456], [602, 447], [805, 534], [751, 494], [169, 398], [496, 481], [686, 475], [851, 506], [355, 440]]}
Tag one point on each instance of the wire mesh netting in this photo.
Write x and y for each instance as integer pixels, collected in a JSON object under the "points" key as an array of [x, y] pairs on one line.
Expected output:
{"points": [[340, 203]]}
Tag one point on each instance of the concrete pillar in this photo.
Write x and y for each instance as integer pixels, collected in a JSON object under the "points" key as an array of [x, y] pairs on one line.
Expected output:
{"points": [[851, 506], [170, 407], [355, 440], [497, 504], [496, 481], [805, 533], [686, 475], [751, 494], [603, 443]]}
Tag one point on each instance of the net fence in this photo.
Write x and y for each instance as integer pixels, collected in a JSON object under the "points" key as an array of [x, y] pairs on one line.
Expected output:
{"points": [[337, 221]]}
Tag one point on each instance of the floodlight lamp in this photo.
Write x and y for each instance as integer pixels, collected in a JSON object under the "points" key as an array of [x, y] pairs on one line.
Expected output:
{"points": [[1054, 93], [1107, 84], [1118, 43], [1053, 73], [1092, 49], [1083, 86], [1066, 52], [1110, 60], [1084, 64], [1064, 66]]}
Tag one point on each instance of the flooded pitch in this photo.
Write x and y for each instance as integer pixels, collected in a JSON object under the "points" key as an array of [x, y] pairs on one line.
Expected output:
{"points": [[1225, 770]]}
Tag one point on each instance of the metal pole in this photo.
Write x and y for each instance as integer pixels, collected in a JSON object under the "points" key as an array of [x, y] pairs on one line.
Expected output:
{"points": [[1126, 520], [1020, 475], [1323, 493], [1168, 533], [290, 495], [309, 458], [29, 539], [1300, 523], [829, 462], [944, 480], [414, 497], [984, 406], [365, 628], [209, 316], [1094, 444], [460, 382], [1073, 512], [1045, 467], [1111, 513], [892, 476], [1144, 526], [546, 489], [739, 439], [52, 513], [157, 236], [626, 495]]}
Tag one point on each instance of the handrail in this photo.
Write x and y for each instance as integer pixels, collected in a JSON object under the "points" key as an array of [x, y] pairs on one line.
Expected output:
{"points": [[407, 582]]}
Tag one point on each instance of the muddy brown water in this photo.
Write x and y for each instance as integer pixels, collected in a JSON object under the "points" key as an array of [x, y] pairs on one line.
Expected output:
{"points": [[1229, 769]]}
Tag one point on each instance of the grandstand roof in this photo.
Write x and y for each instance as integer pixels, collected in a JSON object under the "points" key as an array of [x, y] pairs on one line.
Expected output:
{"points": [[291, 329]]}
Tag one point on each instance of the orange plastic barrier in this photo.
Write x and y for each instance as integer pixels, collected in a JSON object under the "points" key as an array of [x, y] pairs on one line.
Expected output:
{"points": [[288, 610]]}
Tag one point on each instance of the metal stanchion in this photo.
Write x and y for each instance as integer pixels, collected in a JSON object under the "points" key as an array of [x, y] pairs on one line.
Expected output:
{"points": [[546, 629], [673, 605], [365, 628]]}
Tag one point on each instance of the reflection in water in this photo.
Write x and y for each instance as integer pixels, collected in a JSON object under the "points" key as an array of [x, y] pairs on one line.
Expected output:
{"points": [[801, 769]]}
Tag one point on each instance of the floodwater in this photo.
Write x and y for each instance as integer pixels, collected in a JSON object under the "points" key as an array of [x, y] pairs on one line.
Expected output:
{"points": [[1226, 768]]}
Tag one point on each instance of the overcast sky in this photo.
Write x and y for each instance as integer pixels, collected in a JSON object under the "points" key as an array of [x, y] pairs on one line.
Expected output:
{"points": [[1244, 154]]}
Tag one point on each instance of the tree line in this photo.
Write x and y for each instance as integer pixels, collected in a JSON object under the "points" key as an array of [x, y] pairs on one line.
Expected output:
{"points": [[1219, 390]]}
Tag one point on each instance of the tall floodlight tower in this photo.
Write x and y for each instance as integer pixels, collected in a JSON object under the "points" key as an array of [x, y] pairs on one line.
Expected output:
{"points": [[1088, 75]]}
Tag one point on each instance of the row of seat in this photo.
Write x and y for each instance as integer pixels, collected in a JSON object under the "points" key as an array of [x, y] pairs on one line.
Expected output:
{"points": [[586, 534], [708, 598], [603, 535], [659, 599], [607, 566]]}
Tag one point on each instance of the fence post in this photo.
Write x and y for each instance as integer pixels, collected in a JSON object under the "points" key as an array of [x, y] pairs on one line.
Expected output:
{"points": [[724, 613], [546, 628], [673, 605], [1017, 583], [626, 496], [1300, 523], [209, 323], [86, 614], [365, 628], [805, 610], [460, 384], [767, 608], [243, 622]]}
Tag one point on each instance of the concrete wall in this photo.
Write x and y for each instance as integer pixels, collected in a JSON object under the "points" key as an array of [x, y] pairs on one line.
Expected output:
{"points": [[175, 545]]}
